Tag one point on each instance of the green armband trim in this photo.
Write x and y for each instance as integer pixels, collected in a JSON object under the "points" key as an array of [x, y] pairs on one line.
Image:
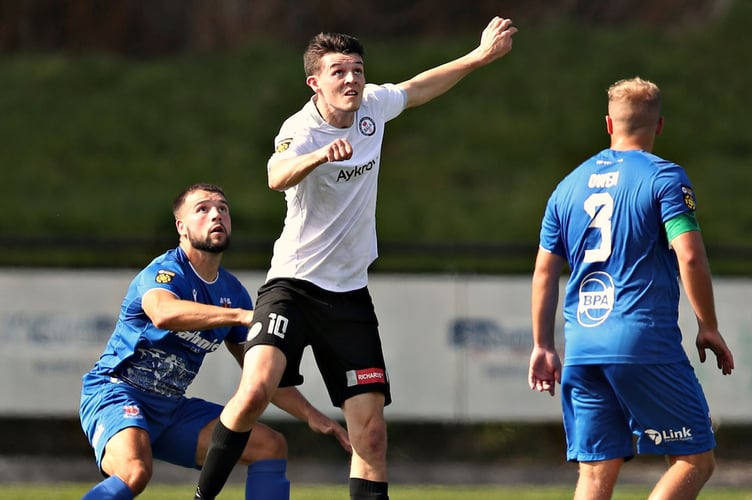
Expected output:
{"points": [[682, 223]]}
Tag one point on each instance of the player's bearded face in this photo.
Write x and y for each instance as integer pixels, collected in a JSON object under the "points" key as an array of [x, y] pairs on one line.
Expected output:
{"points": [[213, 242]]}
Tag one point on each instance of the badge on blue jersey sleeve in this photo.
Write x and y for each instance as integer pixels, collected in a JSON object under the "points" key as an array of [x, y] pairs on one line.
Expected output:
{"points": [[164, 276], [689, 198]]}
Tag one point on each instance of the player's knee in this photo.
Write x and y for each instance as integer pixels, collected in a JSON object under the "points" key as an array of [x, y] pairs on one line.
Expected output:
{"points": [[265, 444], [704, 466], [699, 467], [277, 445], [371, 440], [254, 399], [136, 475]]}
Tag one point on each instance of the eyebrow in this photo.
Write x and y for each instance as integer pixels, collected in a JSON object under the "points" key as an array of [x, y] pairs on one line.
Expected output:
{"points": [[336, 64], [209, 200]]}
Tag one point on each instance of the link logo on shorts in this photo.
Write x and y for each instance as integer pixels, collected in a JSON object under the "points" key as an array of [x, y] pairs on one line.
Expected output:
{"points": [[658, 437], [366, 376]]}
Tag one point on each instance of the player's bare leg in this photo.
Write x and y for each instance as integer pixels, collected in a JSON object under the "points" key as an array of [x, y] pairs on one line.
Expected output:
{"points": [[128, 456], [257, 385], [597, 479], [685, 477], [263, 366], [366, 427]]}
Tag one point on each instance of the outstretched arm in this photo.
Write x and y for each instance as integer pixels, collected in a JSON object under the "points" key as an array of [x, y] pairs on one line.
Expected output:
{"points": [[696, 279], [495, 42], [169, 312], [545, 365]]}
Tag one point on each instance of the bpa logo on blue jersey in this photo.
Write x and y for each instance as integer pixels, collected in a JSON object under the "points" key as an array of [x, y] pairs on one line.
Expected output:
{"points": [[596, 299]]}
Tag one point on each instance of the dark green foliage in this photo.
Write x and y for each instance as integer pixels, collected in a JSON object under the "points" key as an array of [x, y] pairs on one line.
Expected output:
{"points": [[94, 147]]}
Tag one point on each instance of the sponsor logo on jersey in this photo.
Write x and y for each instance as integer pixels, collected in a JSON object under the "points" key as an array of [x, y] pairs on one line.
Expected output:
{"points": [[225, 302], [132, 411], [366, 376], [669, 435], [689, 198], [283, 145], [164, 276], [367, 126], [348, 174], [596, 299], [198, 341]]}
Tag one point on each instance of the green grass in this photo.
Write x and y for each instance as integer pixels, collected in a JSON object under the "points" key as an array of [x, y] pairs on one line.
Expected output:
{"points": [[67, 491]]}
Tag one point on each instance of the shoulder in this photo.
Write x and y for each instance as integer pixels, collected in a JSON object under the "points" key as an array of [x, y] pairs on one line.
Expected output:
{"points": [[165, 270], [384, 92], [305, 117]]}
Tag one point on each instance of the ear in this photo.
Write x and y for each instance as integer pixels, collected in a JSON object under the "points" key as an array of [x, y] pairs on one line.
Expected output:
{"points": [[179, 225], [313, 82], [609, 125], [659, 126]]}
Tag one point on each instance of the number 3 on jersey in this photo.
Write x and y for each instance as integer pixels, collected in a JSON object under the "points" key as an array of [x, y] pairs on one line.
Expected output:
{"points": [[600, 208]]}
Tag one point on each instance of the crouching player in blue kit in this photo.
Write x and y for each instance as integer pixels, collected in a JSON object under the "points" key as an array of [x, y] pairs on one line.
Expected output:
{"points": [[624, 221], [183, 305]]}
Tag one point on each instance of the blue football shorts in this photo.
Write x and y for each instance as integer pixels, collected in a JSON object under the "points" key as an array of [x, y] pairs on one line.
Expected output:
{"points": [[110, 405], [608, 409]]}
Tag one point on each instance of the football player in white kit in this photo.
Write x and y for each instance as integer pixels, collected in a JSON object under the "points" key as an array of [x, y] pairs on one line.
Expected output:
{"points": [[326, 161]]}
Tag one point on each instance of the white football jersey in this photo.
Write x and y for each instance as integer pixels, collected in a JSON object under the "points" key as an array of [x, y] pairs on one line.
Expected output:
{"points": [[329, 234]]}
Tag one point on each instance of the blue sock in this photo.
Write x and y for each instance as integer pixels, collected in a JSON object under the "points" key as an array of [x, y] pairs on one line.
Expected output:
{"points": [[266, 480], [112, 488]]}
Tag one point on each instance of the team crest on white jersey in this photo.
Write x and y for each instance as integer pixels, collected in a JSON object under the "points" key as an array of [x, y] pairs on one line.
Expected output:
{"points": [[283, 145], [367, 126], [596, 299]]}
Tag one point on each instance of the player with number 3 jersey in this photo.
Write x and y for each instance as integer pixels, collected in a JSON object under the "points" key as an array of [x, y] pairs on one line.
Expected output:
{"points": [[624, 222]]}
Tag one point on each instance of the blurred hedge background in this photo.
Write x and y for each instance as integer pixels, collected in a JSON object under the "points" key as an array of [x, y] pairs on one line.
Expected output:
{"points": [[108, 109]]}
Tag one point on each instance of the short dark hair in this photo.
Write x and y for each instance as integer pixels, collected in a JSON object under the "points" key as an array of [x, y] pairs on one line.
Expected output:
{"points": [[327, 43], [199, 186]]}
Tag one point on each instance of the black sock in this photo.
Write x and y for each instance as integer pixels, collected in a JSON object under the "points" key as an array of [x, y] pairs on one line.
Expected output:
{"points": [[363, 489], [224, 452]]}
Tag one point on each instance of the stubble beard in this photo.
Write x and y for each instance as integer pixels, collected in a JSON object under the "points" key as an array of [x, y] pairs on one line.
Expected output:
{"points": [[206, 244]]}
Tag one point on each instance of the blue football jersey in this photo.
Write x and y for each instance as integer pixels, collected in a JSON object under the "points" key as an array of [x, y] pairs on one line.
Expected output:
{"points": [[607, 219], [162, 361]]}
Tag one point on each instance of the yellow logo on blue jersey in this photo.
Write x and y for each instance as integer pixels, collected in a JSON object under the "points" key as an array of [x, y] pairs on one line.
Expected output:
{"points": [[164, 276], [689, 198]]}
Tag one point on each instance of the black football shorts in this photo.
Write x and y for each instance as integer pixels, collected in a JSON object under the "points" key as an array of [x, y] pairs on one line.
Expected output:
{"points": [[340, 327]]}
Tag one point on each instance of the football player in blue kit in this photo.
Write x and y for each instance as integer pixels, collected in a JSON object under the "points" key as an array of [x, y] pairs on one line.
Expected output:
{"points": [[624, 222], [327, 159], [179, 308]]}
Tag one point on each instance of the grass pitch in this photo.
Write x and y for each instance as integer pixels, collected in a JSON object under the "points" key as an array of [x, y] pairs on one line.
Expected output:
{"points": [[74, 491]]}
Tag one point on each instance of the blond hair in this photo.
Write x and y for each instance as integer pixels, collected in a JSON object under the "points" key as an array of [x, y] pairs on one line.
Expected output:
{"points": [[634, 103]]}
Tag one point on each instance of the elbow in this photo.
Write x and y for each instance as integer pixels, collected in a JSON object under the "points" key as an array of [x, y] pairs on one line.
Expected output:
{"points": [[162, 322], [277, 183], [276, 186], [162, 318]]}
